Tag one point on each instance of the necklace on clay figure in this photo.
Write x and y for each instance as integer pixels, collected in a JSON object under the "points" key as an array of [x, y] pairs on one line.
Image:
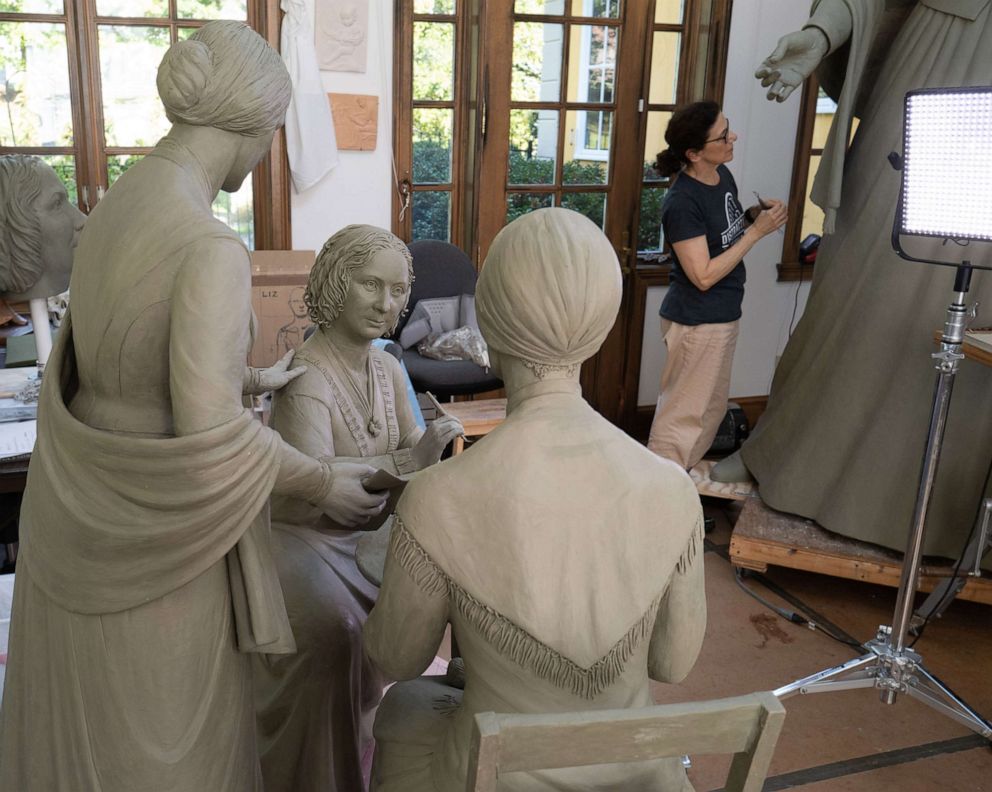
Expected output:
{"points": [[365, 398]]}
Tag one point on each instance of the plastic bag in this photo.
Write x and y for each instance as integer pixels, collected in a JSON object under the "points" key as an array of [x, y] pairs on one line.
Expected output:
{"points": [[464, 343]]}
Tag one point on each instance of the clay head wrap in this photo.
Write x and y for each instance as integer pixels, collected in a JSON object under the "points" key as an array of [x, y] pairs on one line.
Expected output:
{"points": [[346, 251], [549, 291], [20, 233], [225, 76]]}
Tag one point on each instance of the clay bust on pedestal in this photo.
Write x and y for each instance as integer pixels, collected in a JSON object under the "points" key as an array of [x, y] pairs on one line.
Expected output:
{"points": [[566, 556], [40, 228], [145, 576], [315, 706]]}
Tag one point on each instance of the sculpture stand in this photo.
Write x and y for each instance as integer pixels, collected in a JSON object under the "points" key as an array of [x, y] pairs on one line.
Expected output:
{"points": [[42, 331], [889, 664]]}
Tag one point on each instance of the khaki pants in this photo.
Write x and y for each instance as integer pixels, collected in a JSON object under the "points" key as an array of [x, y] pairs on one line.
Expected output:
{"points": [[694, 389]]}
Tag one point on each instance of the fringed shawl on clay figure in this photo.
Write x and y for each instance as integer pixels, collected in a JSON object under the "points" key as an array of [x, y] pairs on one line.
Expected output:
{"points": [[566, 556], [843, 437], [315, 707], [145, 573]]}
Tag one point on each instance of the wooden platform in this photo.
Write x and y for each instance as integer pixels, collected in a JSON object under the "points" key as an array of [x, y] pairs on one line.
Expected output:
{"points": [[764, 537]]}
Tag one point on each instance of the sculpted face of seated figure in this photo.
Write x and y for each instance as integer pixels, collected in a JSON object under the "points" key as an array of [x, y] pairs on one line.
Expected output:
{"points": [[349, 404]]}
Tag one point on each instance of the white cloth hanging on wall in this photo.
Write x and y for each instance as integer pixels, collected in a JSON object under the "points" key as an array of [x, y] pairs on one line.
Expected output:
{"points": [[310, 141]]}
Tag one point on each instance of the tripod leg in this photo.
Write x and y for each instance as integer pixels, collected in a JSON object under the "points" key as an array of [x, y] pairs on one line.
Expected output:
{"points": [[808, 684], [942, 596], [934, 693]]}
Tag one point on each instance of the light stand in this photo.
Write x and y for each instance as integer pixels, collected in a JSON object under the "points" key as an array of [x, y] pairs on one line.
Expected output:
{"points": [[889, 664]]}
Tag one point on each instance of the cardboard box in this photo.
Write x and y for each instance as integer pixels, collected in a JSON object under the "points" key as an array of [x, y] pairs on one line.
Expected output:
{"points": [[278, 278]]}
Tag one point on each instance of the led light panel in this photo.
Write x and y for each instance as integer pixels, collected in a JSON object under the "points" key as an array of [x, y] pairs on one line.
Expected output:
{"points": [[947, 163]]}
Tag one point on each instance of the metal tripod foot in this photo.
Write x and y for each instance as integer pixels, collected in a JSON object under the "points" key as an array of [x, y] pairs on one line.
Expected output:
{"points": [[892, 672]]}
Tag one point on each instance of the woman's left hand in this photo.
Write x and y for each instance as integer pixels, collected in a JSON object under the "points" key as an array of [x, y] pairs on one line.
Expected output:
{"points": [[431, 445], [262, 380]]}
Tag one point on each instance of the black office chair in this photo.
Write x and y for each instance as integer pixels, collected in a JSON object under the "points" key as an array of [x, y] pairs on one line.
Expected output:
{"points": [[442, 270]]}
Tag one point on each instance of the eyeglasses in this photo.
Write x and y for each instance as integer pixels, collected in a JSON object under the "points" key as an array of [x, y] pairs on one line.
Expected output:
{"points": [[722, 137]]}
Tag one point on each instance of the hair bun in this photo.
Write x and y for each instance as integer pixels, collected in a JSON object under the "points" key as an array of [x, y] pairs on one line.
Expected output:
{"points": [[668, 162], [183, 75]]}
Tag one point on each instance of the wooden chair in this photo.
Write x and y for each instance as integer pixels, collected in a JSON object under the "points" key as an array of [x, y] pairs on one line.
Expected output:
{"points": [[747, 726]]}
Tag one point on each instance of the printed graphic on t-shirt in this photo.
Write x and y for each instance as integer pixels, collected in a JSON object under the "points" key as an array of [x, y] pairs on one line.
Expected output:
{"points": [[735, 221]]}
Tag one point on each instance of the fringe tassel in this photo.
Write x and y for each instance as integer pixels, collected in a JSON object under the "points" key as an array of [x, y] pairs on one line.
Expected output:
{"points": [[695, 541], [514, 642], [414, 559]]}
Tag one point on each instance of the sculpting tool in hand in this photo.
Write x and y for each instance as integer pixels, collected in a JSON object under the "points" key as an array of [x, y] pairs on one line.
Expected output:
{"points": [[437, 404], [765, 205]]}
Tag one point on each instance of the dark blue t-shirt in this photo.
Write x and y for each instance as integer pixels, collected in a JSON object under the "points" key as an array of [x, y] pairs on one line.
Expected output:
{"points": [[693, 209]]}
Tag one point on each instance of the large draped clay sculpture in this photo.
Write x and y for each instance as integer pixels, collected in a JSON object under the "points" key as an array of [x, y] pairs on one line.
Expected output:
{"points": [[40, 229], [843, 437], [566, 556], [315, 706], [145, 575]]}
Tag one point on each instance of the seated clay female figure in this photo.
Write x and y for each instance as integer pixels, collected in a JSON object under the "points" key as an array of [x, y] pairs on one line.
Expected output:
{"points": [[350, 403], [566, 556]]}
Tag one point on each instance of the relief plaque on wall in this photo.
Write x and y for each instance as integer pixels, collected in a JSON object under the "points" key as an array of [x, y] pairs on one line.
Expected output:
{"points": [[356, 121], [341, 34]]}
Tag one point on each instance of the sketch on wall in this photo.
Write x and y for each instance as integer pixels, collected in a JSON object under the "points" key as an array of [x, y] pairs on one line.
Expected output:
{"points": [[341, 35], [356, 120]]}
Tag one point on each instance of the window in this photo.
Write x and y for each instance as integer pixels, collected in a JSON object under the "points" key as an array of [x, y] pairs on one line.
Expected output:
{"points": [[430, 34], [596, 76], [78, 90], [805, 217]]}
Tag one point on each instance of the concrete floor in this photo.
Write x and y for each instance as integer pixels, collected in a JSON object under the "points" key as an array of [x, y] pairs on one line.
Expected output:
{"points": [[848, 740]]}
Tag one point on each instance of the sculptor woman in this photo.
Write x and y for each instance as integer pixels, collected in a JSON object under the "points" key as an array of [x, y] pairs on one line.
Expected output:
{"points": [[145, 574], [566, 556], [708, 230], [315, 706]]}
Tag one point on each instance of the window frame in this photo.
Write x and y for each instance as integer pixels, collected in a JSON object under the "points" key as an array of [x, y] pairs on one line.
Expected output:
{"points": [[272, 220], [790, 268], [585, 68]]}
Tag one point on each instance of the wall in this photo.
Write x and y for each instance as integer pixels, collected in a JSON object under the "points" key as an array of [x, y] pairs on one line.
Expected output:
{"points": [[762, 162], [359, 189]]}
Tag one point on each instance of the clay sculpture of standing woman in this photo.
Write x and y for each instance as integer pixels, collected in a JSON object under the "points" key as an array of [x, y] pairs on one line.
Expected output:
{"points": [[567, 557], [846, 424], [315, 706], [145, 576]]}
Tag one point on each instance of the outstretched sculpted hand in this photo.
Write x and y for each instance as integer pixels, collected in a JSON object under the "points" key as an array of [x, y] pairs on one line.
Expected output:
{"points": [[433, 442], [347, 502], [793, 60], [261, 380]]}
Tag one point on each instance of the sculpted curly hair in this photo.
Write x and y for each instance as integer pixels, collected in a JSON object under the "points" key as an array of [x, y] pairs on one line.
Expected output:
{"points": [[348, 250]]}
